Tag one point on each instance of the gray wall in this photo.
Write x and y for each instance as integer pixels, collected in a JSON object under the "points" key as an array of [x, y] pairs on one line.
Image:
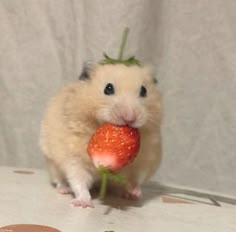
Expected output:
{"points": [[191, 43]]}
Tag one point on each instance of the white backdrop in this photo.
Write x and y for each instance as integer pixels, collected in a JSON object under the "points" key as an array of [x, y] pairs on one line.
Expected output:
{"points": [[43, 44]]}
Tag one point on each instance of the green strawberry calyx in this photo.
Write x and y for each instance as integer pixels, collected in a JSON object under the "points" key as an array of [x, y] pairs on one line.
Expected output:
{"points": [[128, 62]]}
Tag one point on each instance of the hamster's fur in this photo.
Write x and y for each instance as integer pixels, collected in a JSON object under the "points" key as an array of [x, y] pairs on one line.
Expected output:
{"points": [[79, 108]]}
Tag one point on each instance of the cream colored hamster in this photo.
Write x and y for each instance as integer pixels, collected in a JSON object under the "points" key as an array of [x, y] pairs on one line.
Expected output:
{"points": [[116, 94]]}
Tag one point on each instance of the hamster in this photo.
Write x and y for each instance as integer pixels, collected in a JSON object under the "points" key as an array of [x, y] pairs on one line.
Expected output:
{"points": [[118, 94]]}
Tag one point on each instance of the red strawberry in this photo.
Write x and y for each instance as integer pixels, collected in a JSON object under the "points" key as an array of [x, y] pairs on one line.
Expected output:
{"points": [[113, 146]]}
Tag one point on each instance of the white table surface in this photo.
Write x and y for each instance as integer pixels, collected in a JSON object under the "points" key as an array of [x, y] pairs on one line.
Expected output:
{"points": [[29, 199]]}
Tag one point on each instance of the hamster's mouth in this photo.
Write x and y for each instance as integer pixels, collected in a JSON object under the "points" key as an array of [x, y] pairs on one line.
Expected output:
{"points": [[132, 124], [120, 120]]}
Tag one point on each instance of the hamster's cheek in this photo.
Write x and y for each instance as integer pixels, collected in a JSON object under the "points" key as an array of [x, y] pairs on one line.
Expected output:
{"points": [[103, 115]]}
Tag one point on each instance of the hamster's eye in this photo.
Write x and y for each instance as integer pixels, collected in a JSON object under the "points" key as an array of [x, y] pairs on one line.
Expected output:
{"points": [[143, 92], [109, 89]]}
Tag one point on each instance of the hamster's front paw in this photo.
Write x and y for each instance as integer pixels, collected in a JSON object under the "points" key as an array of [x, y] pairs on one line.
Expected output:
{"points": [[82, 203]]}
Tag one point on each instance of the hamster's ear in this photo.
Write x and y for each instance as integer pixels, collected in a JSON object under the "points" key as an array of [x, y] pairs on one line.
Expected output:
{"points": [[87, 69], [150, 71]]}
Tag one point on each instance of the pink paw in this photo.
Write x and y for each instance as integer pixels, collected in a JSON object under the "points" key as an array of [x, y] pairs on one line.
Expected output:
{"points": [[64, 189], [82, 203], [132, 193]]}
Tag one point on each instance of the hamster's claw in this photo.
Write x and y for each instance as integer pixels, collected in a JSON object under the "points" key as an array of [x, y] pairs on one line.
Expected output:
{"points": [[82, 203]]}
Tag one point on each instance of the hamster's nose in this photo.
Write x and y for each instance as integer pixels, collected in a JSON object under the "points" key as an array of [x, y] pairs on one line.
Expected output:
{"points": [[128, 117]]}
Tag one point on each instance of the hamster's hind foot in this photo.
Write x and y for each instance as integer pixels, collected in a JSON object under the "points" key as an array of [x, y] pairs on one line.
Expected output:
{"points": [[133, 192], [64, 189], [82, 203], [82, 198]]}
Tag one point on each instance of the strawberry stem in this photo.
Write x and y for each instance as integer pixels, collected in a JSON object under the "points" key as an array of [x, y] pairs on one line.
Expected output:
{"points": [[105, 175], [103, 188], [123, 43], [128, 62]]}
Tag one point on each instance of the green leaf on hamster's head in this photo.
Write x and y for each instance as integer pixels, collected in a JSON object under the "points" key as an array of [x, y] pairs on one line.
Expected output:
{"points": [[128, 62]]}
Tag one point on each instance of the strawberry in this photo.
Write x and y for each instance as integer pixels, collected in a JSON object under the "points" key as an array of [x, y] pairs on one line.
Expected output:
{"points": [[111, 148]]}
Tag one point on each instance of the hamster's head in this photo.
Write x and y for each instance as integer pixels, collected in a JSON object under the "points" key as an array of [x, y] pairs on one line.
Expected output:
{"points": [[123, 95]]}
